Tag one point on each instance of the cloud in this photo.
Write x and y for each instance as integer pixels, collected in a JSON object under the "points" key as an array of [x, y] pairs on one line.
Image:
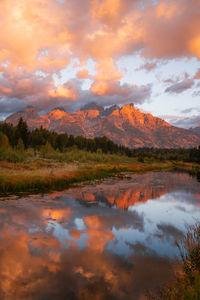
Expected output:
{"points": [[183, 122], [45, 35], [83, 74], [180, 87], [197, 75], [190, 122], [189, 110], [107, 70], [68, 90], [110, 88], [148, 66], [196, 93], [49, 33]]}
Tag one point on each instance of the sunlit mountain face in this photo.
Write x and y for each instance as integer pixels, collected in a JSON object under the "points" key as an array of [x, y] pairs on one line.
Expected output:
{"points": [[111, 240], [59, 53], [124, 125]]}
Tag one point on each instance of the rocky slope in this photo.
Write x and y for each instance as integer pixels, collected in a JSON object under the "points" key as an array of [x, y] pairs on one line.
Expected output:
{"points": [[126, 125], [196, 130]]}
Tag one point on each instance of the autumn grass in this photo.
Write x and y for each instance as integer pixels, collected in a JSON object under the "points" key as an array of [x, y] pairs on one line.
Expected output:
{"points": [[43, 175], [55, 170], [187, 282]]}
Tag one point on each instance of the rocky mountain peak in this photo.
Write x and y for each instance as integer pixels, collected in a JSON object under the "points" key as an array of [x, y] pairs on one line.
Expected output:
{"points": [[58, 108], [57, 113], [110, 110], [30, 110], [126, 125]]}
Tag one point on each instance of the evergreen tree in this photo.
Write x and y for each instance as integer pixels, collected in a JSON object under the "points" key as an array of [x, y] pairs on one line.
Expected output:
{"points": [[22, 131]]}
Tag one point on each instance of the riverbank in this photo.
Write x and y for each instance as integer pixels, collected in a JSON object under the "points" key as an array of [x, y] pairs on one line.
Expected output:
{"points": [[46, 175], [187, 281]]}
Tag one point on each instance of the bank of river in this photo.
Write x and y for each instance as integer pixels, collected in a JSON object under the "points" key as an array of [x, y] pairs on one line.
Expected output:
{"points": [[41, 176]]}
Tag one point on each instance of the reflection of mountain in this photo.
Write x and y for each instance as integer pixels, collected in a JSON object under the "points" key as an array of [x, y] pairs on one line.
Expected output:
{"points": [[53, 247], [126, 125], [140, 188]]}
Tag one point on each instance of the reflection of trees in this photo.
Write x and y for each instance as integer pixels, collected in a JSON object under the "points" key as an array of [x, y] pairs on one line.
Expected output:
{"points": [[140, 188]]}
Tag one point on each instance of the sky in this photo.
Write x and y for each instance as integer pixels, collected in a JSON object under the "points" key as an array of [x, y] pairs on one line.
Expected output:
{"points": [[68, 53]]}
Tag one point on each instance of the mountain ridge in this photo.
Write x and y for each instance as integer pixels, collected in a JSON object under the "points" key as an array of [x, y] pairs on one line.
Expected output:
{"points": [[125, 125]]}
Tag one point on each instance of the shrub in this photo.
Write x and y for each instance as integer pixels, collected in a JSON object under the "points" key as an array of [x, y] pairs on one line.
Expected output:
{"points": [[186, 285]]}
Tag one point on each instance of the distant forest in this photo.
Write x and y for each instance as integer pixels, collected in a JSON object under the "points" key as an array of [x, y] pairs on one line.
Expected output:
{"points": [[20, 137]]}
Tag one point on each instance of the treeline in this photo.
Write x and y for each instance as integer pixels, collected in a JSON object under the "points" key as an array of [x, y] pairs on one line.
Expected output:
{"points": [[20, 138], [176, 154]]}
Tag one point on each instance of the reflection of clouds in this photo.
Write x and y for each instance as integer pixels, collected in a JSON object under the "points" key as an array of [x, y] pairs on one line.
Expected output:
{"points": [[137, 247], [76, 274], [98, 236], [75, 234], [18, 264], [169, 231], [55, 247], [57, 214], [97, 239]]}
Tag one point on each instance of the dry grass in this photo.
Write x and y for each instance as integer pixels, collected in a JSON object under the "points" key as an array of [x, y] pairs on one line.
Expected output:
{"points": [[49, 175], [187, 282]]}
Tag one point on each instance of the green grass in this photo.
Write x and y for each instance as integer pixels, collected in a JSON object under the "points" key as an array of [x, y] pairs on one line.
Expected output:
{"points": [[43, 175], [41, 171]]}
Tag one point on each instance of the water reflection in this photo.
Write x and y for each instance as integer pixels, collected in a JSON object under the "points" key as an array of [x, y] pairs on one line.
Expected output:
{"points": [[111, 240]]}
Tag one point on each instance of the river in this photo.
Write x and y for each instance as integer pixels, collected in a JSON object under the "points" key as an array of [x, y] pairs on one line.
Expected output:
{"points": [[113, 239]]}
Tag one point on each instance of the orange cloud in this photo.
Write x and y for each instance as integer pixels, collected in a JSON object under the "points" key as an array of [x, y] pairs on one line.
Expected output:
{"points": [[108, 11], [165, 10], [106, 70], [197, 75], [82, 74], [45, 35], [68, 91], [100, 88], [194, 46]]}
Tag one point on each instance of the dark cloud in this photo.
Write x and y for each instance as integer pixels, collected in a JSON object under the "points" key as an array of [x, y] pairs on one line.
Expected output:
{"points": [[124, 94], [189, 110], [188, 122], [180, 87], [22, 89], [196, 93], [148, 66], [9, 106]]}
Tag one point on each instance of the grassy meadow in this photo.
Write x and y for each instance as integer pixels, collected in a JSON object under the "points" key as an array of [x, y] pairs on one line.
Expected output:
{"points": [[40, 160], [54, 170]]}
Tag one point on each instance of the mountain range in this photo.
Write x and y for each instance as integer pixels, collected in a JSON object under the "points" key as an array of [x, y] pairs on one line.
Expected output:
{"points": [[124, 125]]}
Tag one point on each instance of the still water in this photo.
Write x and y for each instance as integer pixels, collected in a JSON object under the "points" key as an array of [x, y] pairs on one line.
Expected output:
{"points": [[109, 240]]}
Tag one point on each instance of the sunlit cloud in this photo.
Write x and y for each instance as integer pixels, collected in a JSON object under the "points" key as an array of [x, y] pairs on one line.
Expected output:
{"points": [[44, 36]]}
